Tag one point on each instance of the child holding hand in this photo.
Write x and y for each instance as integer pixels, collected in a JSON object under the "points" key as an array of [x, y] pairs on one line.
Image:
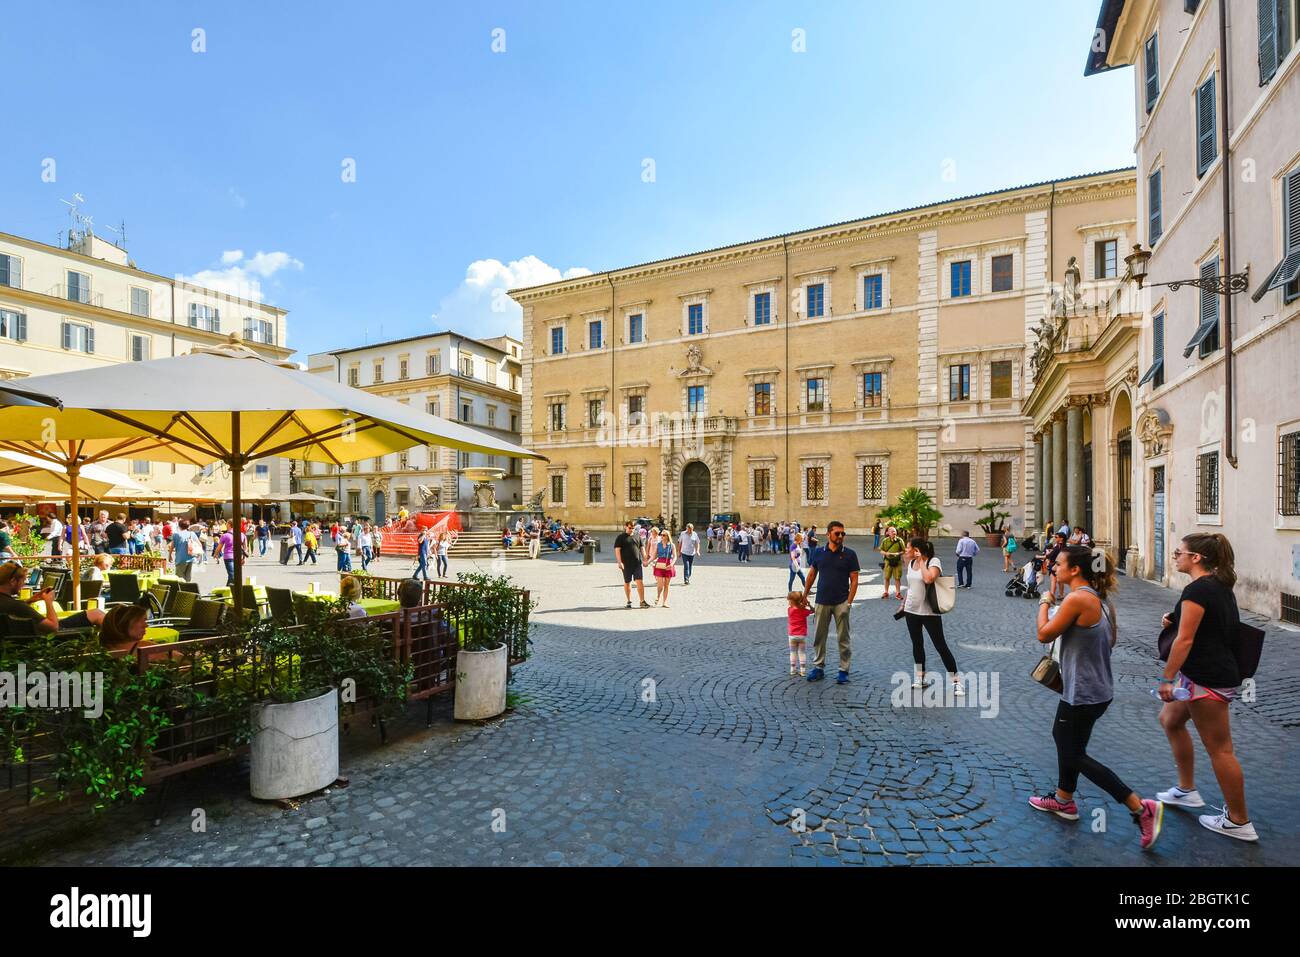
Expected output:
{"points": [[797, 616]]}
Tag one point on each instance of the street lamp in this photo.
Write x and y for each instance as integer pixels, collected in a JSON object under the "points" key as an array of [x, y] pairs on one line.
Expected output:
{"points": [[1222, 285]]}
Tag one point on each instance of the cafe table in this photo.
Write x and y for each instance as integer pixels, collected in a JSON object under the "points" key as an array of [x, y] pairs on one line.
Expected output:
{"points": [[222, 593], [373, 606]]}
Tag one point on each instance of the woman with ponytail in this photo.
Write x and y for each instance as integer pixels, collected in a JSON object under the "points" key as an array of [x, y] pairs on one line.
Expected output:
{"points": [[1085, 626], [1200, 679]]}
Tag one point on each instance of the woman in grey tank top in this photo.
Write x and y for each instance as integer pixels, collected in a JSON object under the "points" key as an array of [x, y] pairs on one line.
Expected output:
{"points": [[1085, 627]]}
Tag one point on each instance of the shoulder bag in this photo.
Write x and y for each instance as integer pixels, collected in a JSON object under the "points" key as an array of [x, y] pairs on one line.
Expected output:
{"points": [[942, 594], [1048, 670]]}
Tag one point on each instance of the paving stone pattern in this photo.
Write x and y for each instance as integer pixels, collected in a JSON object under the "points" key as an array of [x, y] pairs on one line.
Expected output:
{"points": [[676, 736]]}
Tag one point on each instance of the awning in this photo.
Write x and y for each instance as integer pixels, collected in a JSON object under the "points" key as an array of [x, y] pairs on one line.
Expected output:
{"points": [[1203, 330], [1283, 273], [1151, 373]]}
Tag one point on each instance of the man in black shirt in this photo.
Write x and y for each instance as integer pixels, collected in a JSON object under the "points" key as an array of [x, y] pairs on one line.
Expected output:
{"points": [[116, 535], [835, 570], [627, 552]]}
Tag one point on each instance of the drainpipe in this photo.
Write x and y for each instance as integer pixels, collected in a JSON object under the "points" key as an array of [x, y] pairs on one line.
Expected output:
{"points": [[1225, 175], [613, 484], [785, 383]]}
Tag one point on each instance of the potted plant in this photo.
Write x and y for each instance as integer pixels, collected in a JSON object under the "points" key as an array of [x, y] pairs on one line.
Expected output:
{"points": [[913, 514], [481, 614], [992, 523]]}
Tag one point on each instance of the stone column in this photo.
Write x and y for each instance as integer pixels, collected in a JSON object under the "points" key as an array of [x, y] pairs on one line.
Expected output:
{"points": [[1074, 503], [1045, 481], [1038, 487], [1058, 470]]}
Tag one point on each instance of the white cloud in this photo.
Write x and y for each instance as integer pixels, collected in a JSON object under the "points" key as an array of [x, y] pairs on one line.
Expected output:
{"points": [[242, 277], [237, 198], [479, 306]]}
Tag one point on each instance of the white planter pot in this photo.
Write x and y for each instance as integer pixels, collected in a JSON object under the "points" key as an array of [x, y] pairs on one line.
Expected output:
{"points": [[480, 684], [295, 748]]}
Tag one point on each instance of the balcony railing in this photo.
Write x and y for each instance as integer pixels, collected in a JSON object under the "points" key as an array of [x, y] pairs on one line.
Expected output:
{"points": [[76, 294]]}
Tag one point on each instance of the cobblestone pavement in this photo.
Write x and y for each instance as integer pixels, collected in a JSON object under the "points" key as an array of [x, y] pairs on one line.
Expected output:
{"points": [[728, 754]]}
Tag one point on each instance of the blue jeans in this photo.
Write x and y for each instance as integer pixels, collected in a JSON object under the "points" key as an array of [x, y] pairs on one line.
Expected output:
{"points": [[230, 573], [441, 565], [261, 546], [118, 551], [367, 556], [687, 562], [423, 568], [789, 585], [345, 560], [966, 564]]}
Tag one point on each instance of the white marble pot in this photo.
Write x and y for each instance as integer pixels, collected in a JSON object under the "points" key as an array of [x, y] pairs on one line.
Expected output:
{"points": [[295, 748], [480, 684]]}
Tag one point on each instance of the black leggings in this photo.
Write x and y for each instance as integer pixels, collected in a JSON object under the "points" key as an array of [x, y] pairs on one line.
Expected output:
{"points": [[1071, 732], [934, 625]]}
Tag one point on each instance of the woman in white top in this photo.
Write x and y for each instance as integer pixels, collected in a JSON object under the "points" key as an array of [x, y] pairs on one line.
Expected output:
{"points": [[922, 570], [444, 545]]}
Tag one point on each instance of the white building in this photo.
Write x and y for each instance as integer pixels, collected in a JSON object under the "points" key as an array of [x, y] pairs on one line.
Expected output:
{"points": [[88, 305], [445, 374], [1218, 163]]}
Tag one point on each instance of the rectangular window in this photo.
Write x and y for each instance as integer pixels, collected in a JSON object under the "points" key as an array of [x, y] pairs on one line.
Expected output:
{"points": [[1000, 481], [464, 460], [207, 318], [635, 409], [433, 363], [467, 366], [1152, 63], [1209, 311], [873, 389], [435, 407], [557, 417], [695, 319], [635, 328], [1106, 259], [354, 466], [492, 415], [467, 412], [259, 330], [762, 398], [594, 334], [354, 376], [379, 370], [959, 278], [13, 325], [403, 368], [354, 502], [762, 308], [958, 480], [595, 488], [873, 482], [1154, 203], [1207, 483], [815, 295], [262, 471], [557, 340], [403, 498], [379, 463], [635, 486], [514, 422], [815, 395], [1000, 379], [403, 461], [1206, 144], [140, 302], [1288, 474], [1274, 36], [695, 399], [762, 485], [139, 466], [557, 489], [78, 338], [139, 348], [594, 408], [11, 271], [959, 383], [1158, 350], [816, 479], [78, 286], [1003, 273], [873, 291]]}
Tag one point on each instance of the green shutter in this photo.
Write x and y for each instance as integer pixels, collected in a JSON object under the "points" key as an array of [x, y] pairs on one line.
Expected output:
{"points": [[1206, 149], [1267, 40], [1153, 70], [1154, 226]]}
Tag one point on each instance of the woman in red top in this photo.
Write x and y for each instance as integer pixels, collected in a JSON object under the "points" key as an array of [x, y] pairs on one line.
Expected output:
{"points": [[797, 629]]}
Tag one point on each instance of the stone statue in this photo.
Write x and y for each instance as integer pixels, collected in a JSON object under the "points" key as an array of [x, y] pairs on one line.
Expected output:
{"points": [[535, 503], [432, 497], [485, 495], [693, 358], [1072, 280]]}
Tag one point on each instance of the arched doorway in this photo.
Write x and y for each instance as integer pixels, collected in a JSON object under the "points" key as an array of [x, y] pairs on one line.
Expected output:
{"points": [[379, 508], [697, 503]]}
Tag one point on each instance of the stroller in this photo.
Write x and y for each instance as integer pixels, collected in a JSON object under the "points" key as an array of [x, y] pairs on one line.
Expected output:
{"points": [[1024, 583]]}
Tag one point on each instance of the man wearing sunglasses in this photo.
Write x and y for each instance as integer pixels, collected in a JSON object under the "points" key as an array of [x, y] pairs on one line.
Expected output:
{"points": [[834, 568]]}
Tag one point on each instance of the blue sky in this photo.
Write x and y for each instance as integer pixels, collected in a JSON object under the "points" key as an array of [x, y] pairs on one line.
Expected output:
{"points": [[477, 169]]}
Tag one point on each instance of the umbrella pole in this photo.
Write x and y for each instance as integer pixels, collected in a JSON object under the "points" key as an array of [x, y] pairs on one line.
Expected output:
{"points": [[236, 526], [74, 470]]}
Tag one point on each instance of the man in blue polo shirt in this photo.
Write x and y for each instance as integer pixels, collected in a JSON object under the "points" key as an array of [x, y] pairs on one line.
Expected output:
{"points": [[834, 569]]}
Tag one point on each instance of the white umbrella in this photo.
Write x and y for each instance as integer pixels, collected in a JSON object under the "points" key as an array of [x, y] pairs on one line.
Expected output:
{"points": [[229, 404]]}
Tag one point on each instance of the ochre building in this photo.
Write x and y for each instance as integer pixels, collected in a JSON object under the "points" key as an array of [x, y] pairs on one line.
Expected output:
{"points": [[814, 375]]}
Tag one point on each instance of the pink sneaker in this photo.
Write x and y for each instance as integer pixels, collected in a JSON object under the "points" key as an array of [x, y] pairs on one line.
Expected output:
{"points": [[1150, 821], [1065, 810]]}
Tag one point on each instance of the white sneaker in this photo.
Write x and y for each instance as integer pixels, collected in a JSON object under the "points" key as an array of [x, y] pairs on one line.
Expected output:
{"points": [[958, 689], [1180, 798], [919, 681], [1220, 823]]}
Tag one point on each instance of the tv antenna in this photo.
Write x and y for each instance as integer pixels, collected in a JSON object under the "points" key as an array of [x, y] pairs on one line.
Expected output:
{"points": [[120, 229], [81, 224]]}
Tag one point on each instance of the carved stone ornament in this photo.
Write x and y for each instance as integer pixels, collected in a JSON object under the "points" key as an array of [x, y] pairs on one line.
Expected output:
{"points": [[1154, 431], [694, 356]]}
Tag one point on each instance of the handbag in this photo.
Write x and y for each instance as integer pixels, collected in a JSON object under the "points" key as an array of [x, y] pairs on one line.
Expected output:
{"points": [[942, 594], [1048, 671], [1247, 649]]}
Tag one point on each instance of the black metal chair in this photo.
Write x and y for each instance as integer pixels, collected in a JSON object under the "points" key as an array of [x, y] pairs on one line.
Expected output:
{"points": [[281, 602], [181, 613], [205, 619], [192, 587], [123, 588]]}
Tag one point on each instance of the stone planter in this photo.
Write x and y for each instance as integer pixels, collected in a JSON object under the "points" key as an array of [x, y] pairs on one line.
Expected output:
{"points": [[295, 748], [993, 538], [480, 684]]}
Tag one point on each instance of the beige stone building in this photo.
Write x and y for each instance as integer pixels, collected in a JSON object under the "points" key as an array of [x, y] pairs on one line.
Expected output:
{"points": [[815, 374], [473, 381], [88, 305], [1217, 104]]}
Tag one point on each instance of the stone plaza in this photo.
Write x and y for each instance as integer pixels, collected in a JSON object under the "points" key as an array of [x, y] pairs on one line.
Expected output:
{"points": [[676, 737]]}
